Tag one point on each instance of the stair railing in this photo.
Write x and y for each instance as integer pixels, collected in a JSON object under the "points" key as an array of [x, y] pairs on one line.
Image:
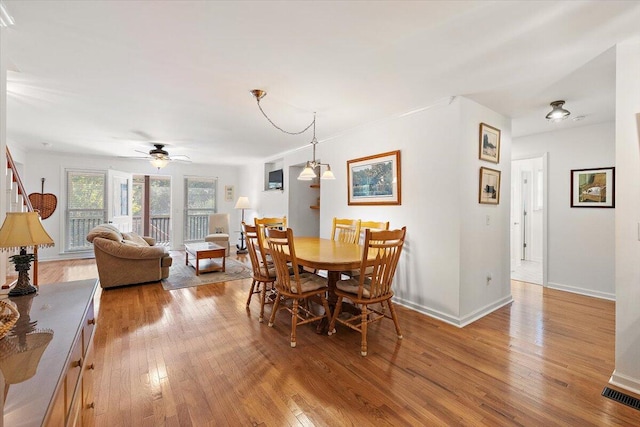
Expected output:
{"points": [[27, 203]]}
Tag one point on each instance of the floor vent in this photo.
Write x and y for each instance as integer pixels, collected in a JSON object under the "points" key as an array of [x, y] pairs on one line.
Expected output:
{"points": [[625, 399]]}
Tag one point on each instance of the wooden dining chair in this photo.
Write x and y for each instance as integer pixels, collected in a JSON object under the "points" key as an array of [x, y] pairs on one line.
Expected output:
{"points": [[279, 223], [373, 226], [263, 272], [364, 226], [345, 230], [295, 287], [381, 252]]}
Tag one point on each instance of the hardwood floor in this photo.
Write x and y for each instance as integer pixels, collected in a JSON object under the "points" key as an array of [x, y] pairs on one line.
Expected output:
{"points": [[197, 357]]}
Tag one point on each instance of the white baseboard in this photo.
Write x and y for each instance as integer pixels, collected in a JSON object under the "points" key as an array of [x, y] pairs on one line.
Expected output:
{"points": [[489, 308], [459, 322], [582, 291], [625, 382]]}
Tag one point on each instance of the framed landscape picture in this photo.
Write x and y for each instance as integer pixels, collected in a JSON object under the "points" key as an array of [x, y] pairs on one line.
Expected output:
{"points": [[374, 180], [489, 191], [593, 188], [489, 143]]}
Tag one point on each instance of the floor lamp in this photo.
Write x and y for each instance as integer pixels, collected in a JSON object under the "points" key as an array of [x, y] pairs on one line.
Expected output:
{"points": [[242, 203]]}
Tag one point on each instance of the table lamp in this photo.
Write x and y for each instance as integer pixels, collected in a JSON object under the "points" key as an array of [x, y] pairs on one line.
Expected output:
{"points": [[242, 203], [19, 230]]}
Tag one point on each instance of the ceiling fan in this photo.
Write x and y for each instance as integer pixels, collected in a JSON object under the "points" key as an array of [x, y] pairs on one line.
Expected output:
{"points": [[159, 157]]}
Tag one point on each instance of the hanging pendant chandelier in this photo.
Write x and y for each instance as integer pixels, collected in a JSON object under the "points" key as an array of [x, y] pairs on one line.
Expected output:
{"points": [[309, 171]]}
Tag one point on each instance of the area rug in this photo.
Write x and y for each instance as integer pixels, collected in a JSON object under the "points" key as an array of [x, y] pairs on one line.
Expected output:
{"points": [[184, 276]]}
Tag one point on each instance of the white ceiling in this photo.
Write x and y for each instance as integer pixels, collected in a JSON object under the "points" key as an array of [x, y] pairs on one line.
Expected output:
{"points": [[101, 77]]}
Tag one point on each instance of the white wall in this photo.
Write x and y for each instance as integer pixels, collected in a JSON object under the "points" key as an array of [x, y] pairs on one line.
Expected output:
{"points": [[449, 249], [627, 216], [51, 166], [485, 232], [580, 240]]}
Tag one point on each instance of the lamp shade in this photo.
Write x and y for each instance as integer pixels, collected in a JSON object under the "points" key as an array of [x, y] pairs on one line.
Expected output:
{"points": [[159, 162], [243, 203], [307, 173], [328, 174], [557, 113], [22, 229]]}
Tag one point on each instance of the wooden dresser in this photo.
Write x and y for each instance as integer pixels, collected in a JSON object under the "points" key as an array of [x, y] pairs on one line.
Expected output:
{"points": [[51, 384]]}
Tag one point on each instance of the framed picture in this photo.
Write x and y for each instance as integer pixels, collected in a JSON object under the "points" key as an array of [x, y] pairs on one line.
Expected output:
{"points": [[489, 143], [489, 191], [593, 188], [228, 193], [374, 180]]}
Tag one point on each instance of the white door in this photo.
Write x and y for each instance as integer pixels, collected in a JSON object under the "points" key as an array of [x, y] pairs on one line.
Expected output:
{"points": [[525, 214], [516, 226], [119, 199]]}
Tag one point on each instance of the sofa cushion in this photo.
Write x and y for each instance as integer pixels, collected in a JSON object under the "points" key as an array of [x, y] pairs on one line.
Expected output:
{"points": [[134, 238], [106, 231]]}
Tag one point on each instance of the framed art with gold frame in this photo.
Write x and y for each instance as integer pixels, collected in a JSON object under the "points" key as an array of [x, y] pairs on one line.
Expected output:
{"points": [[489, 143], [374, 180], [489, 191]]}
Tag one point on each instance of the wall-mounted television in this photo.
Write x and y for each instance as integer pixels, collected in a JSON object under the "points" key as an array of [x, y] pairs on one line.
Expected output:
{"points": [[276, 180]]}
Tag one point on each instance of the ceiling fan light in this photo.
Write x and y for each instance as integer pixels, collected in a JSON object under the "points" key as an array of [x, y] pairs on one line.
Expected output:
{"points": [[307, 173], [557, 113], [159, 162], [328, 174]]}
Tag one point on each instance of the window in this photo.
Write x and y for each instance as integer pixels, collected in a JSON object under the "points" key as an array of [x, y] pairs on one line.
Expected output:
{"points": [[200, 202], [86, 195], [151, 208]]}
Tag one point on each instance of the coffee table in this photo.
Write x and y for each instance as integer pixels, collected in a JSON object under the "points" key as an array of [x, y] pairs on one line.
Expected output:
{"points": [[204, 252]]}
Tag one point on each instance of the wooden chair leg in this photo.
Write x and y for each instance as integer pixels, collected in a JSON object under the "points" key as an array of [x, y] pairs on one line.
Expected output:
{"points": [[253, 285], [327, 312], [363, 331], [294, 322], [394, 316], [276, 304], [263, 296], [336, 313]]}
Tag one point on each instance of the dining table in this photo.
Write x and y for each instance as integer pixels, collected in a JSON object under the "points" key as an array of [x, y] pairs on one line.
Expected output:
{"points": [[333, 256]]}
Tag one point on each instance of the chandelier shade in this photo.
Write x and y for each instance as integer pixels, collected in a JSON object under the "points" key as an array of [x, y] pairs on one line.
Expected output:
{"points": [[557, 113]]}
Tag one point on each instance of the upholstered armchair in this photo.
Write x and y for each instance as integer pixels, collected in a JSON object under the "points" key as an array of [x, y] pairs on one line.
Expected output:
{"points": [[127, 258], [219, 231]]}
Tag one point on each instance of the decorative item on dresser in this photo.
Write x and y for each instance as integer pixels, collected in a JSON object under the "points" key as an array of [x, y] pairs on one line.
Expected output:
{"points": [[19, 230]]}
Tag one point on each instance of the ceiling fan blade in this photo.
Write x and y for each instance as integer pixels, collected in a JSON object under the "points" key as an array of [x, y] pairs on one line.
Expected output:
{"points": [[134, 157], [181, 157], [142, 152]]}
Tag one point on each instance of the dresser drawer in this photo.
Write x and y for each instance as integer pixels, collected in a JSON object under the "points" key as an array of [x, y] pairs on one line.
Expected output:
{"points": [[88, 326]]}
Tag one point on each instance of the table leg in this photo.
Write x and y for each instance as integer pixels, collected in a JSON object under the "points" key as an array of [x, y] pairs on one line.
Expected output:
{"points": [[197, 265], [332, 279]]}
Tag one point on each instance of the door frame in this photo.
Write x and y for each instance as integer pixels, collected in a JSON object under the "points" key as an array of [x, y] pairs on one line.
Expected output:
{"points": [[545, 210]]}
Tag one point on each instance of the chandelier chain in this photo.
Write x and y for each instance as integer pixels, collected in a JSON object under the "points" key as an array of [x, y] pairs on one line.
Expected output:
{"points": [[282, 130]]}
